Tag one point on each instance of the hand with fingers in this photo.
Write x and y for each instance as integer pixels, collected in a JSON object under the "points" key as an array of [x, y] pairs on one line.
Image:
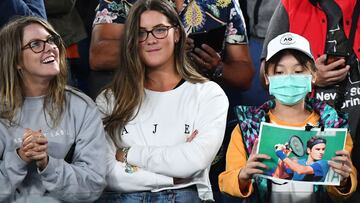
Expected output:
{"points": [[332, 73], [35, 147], [253, 165], [342, 165], [189, 45], [21, 151], [282, 151], [121, 154], [206, 58]]}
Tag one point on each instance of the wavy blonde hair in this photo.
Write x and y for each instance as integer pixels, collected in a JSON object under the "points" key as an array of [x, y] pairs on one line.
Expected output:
{"points": [[11, 84], [128, 84]]}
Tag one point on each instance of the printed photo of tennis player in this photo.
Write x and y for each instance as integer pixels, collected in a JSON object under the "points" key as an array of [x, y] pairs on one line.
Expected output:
{"points": [[301, 155]]}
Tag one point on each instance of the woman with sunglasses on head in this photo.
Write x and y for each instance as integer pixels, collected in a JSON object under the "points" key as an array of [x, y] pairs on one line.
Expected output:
{"points": [[51, 136], [165, 122]]}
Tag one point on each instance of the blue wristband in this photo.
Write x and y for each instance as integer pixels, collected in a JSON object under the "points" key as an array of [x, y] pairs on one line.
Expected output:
{"points": [[280, 154]]}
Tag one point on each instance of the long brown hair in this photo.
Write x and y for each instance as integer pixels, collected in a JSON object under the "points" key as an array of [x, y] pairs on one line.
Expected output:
{"points": [[11, 84], [128, 84]]}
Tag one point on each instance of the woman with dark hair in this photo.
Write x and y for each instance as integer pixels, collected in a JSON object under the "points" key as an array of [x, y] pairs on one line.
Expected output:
{"points": [[51, 136], [165, 122]]}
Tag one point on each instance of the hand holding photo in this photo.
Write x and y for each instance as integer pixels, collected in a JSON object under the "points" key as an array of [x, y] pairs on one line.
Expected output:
{"points": [[299, 155]]}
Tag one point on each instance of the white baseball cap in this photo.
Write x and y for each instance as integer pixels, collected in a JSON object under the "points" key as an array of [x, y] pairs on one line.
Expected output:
{"points": [[288, 40]]}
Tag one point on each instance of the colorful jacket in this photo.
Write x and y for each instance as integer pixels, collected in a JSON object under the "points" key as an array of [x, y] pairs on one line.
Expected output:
{"points": [[250, 119]]}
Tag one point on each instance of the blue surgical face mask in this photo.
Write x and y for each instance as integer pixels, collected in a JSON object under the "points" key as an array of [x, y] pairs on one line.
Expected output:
{"points": [[289, 89]]}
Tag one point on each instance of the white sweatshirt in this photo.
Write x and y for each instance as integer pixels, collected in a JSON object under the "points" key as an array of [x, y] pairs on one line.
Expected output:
{"points": [[157, 137]]}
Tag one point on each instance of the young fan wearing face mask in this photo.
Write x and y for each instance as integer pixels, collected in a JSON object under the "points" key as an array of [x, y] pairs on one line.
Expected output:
{"points": [[289, 73]]}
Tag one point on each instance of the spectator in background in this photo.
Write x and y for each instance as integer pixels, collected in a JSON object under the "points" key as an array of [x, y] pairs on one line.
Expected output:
{"points": [[107, 32], [258, 15], [232, 67], [85, 76], [10, 8], [52, 140], [234, 60], [165, 122], [238, 71], [63, 15]]}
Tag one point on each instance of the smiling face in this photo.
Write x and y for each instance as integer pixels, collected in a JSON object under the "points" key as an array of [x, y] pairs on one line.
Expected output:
{"points": [[156, 53], [42, 66]]}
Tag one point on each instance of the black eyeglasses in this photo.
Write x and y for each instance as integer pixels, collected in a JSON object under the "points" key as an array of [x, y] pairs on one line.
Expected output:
{"points": [[38, 45], [158, 32]]}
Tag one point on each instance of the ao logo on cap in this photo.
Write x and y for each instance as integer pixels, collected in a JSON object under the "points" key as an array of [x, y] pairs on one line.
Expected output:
{"points": [[287, 40]]}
